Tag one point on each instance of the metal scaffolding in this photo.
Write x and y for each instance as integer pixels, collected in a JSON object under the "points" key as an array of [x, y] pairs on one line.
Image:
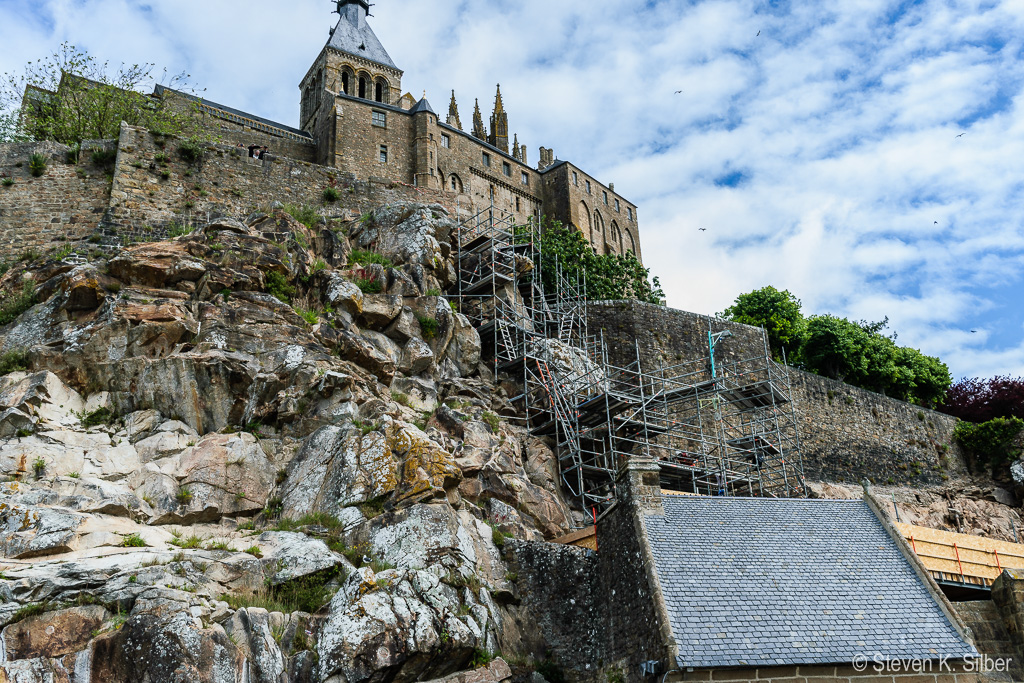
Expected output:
{"points": [[716, 428]]}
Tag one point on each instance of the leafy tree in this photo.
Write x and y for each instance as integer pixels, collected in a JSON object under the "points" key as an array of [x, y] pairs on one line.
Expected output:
{"points": [[859, 354], [70, 96], [980, 400], [778, 312], [992, 442], [606, 276]]}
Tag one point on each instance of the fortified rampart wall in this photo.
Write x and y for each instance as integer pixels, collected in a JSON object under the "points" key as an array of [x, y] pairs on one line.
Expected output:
{"points": [[846, 433], [151, 189]]}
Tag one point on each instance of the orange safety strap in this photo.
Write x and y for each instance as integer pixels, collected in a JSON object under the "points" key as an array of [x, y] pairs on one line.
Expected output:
{"points": [[912, 544], [957, 551], [996, 553]]}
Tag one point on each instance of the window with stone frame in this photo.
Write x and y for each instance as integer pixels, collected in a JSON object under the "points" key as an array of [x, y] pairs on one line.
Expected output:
{"points": [[487, 160], [588, 187], [606, 199], [506, 168], [629, 212], [526, 178], [383, 154], [380, 119], [616, 204], [575, 178], [446, 141]]}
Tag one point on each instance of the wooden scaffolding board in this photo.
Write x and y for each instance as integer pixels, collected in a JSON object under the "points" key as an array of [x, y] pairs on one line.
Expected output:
{"points": [[981, 559]]}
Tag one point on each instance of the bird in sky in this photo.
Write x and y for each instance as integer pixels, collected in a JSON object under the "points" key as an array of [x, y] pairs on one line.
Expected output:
{"points": [[961, 135], [678, 92], [702, 229], [936, 222], [974, 331], [758, 33]]}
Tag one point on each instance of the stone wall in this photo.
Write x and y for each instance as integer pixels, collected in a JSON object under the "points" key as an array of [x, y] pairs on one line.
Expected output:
{"points": [[556, 586], [65, 203], [846, 433]]}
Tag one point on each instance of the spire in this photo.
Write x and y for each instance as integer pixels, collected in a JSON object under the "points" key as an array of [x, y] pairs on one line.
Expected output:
{"points": [[499, 124], [478, 123], [453, 113], [354, 35], [515, 147]]}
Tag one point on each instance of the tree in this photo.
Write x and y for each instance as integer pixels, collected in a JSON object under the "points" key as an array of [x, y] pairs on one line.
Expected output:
{"points": [[70, 97], [980, 400], [606, 276], [778, 312], [859, 354]]}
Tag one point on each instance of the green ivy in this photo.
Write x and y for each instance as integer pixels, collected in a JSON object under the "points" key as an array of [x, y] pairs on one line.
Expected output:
{"points": [[991, 442]]}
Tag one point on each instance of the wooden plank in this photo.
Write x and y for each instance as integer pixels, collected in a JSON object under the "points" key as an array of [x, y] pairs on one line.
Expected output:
{"points": [[977, 559]]}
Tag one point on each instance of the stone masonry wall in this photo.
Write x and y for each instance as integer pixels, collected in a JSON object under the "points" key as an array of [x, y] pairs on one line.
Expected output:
{"points": [[846, 433], [556, 586], [154, 185], [66, 203]]}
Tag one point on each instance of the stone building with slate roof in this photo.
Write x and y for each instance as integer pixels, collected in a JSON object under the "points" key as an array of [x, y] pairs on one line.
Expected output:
{"points": [[353, 109], [685, 587], [765, 587]]}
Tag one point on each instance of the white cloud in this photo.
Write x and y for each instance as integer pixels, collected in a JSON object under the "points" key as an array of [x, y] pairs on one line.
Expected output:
{"points": [[856, 193]]}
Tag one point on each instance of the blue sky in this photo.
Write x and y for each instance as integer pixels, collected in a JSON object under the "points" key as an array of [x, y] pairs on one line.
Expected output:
{"points": [[821, 156]]}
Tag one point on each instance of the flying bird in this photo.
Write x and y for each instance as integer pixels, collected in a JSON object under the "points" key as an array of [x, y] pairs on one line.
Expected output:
{"points": [[961, 135], [936, 222], [678, 92], [758, 33], [702, 229], [973, 331]]}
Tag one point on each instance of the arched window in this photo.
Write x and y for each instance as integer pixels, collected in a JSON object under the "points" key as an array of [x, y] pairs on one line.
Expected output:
{"points": [[344, 82], [615, 243], [381, 91], [362, 87], [455, 183], [597, 232], [584, 217], [629, 244]]}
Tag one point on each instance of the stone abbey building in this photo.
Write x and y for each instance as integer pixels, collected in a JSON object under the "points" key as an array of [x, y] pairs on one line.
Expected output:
{"points": [[354, 117]]}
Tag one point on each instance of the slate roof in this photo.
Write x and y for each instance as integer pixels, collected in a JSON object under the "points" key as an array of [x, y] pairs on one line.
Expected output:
{"points": [[422, 105], [354, 35], [761, 582], [159, 91]]}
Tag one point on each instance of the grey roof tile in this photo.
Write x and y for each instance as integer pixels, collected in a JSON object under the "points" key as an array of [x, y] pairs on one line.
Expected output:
{"points": [[790, 582], [354, 35]]}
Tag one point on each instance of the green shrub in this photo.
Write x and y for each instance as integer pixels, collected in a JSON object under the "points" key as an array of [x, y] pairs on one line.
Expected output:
{"points": [[190, 150], [365, 258], [991, 442], [255, 551], [13, 304], [481, 658], [306, 214], [71, 156], [429, 326], [433, 291], [37, 164], [177, 230], [39, 466], [13, 360], [100, 416], [310, 317], [133, 541], [31, 611], [161, 158], [491, 419], [331, 194], [193, 542], [277, 286], [7, 181], [184, 496], [369, 285], [104, 157]]}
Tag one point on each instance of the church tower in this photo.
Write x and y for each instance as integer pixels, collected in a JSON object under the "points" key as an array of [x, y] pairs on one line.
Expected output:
{"points": [[453, 113], [479, 131], [353, 63], [499, 124]]}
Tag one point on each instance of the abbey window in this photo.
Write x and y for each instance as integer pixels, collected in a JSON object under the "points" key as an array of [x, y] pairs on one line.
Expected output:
{"points": [[383, 154]]}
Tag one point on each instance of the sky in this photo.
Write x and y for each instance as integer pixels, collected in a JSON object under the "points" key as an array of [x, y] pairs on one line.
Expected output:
{"points": [[866, 155]]}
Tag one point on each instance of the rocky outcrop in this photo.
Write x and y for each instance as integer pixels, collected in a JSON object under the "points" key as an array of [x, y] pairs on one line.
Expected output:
{"points": [[226, 461]]}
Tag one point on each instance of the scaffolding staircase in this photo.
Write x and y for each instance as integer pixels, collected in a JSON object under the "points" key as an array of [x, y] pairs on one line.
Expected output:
{"points": [[715, 428]]}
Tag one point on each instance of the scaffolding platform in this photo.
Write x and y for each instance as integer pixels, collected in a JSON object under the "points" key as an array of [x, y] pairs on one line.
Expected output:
{"points": [[726, 428]]}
